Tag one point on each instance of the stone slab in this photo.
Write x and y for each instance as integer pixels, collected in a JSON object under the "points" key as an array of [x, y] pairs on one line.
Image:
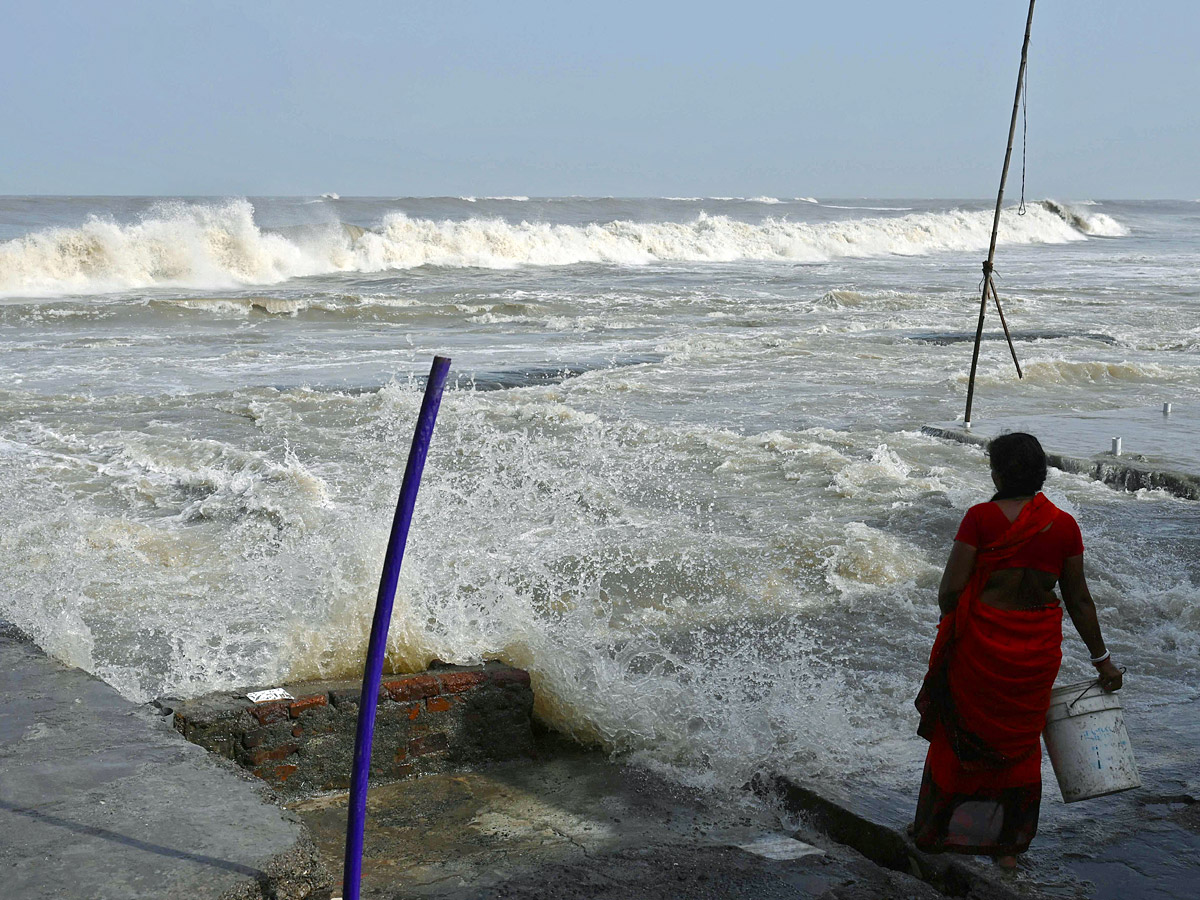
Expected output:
{"points": [[101, 800], [574, 825]]}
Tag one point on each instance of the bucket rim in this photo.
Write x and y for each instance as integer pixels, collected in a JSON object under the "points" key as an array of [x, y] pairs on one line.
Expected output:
{"points": [[1085, 693], [1076, 686]]}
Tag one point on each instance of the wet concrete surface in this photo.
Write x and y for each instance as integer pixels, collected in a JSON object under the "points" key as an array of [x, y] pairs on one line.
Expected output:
{"points": [[1138, 845], [1142, 844], [575, 824], [100, 800]]}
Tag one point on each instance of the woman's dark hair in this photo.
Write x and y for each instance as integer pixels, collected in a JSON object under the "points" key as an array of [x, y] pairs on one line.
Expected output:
{"points": [[1019, 462]]}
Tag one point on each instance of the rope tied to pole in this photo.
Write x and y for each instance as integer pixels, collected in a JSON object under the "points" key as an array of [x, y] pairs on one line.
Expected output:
{"points": [[1024, 135]]}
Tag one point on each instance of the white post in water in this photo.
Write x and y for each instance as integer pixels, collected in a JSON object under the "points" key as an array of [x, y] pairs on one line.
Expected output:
{"points": [[1116, 447], [1166, 409]]}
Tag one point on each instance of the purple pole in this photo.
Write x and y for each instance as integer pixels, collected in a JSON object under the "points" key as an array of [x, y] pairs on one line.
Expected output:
{"points": [[373, 671]]}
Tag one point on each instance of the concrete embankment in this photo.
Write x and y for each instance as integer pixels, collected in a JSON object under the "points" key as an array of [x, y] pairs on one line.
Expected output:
{"points": [[101, 800]]}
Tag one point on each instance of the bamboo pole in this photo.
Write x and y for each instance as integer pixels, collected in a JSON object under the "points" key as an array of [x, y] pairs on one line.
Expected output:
{"points": [[1004, 324], [987, 265]]}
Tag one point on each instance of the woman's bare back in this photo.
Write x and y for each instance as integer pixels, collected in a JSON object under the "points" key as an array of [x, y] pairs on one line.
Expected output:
{"points": [[1020, 589]]}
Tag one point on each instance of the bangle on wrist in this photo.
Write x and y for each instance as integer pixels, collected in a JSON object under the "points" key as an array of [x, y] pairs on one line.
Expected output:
{"points": [[1096, 660]]}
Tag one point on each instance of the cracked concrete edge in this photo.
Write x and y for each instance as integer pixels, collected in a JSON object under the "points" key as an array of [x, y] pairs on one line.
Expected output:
{"points": [[296, 874], [883, 845]]}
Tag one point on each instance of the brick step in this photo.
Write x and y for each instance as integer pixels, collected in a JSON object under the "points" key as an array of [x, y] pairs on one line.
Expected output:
{"points": [[430, 722]]}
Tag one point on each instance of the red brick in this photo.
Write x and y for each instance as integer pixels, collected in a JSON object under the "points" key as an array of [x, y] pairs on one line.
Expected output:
{"points": [[266, 713], [437, 704], [306, 703], [277, 774], [258, 757], [505, 677], [457, 682], [412, 687], [298, 731], [415, 710], [283, 773], [401, 754], [402, 771], [431, 743]]}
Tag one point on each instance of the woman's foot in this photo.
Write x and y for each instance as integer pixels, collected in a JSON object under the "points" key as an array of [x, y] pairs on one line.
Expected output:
{"points": [[1006, 862]]}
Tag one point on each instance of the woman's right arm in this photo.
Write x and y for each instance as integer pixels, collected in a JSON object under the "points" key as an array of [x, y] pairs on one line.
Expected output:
{"points": [[1082, 610]]}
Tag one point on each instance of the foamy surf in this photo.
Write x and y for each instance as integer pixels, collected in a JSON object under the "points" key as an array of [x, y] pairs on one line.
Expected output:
{"points": [[219, 246], [659, 481]]}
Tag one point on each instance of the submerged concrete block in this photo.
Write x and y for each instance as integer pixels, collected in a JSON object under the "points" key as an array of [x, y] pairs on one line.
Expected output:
{"points": [[1129, 473]]}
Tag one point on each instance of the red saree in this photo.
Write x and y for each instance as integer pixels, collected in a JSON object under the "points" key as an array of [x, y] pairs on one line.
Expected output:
{"points": [[983, 707]]}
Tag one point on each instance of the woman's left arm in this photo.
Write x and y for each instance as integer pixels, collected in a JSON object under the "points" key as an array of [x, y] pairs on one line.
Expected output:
{"points": [[955, 576]]}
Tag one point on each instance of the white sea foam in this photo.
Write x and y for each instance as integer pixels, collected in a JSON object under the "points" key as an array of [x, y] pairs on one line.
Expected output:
{"points": [[183, 244], [1077, 372], [723, 558], [872, 208], [219, 246]]}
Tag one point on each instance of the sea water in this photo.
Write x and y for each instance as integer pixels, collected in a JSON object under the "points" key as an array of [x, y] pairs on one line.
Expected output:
{"points": [[678, 474]]}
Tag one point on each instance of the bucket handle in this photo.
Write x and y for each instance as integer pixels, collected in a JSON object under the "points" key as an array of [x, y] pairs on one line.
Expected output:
{"points": [[1091, 685]]}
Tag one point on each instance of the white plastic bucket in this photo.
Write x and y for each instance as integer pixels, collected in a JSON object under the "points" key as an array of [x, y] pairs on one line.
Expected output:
{"points": [[1087, 742]]}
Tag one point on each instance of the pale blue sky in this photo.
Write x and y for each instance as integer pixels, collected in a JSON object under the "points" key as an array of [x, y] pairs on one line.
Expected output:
{"points": [[881, 99]]}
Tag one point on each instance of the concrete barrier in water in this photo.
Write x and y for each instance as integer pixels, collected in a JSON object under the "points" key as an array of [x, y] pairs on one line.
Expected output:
{"points": [[849, 821], [1127, 472]]}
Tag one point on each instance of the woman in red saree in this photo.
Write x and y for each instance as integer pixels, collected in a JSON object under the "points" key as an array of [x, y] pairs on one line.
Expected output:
{"points": [[998, 648]]}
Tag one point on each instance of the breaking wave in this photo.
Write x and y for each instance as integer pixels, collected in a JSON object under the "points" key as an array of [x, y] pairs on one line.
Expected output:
{"points": [[1093, 223], [216, 246]]}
